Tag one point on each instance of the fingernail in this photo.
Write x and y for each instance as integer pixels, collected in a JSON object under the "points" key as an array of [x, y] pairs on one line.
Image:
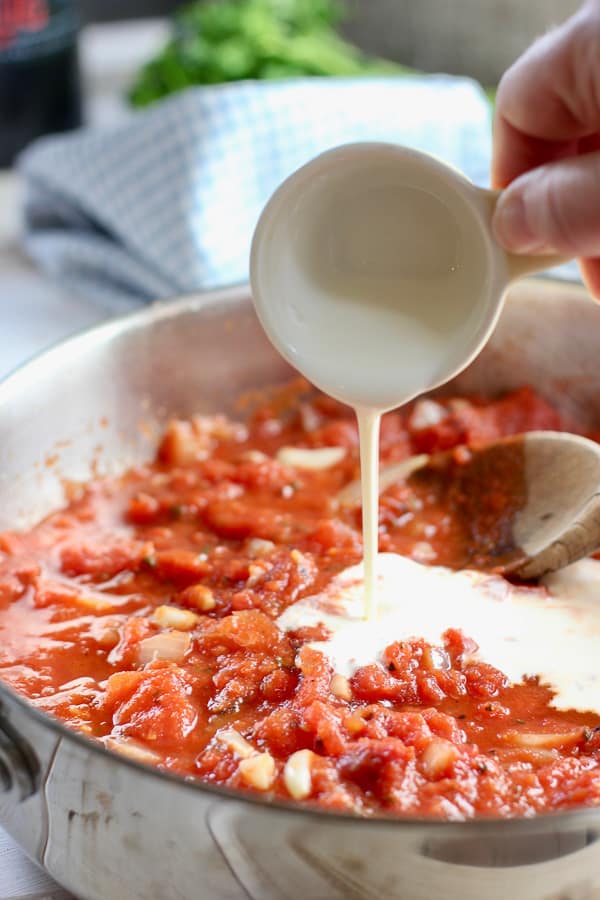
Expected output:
{"points": [[511, 227]]}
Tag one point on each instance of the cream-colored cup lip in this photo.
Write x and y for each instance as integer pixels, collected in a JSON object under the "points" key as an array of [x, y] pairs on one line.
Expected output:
{"points": [[481, 200]]}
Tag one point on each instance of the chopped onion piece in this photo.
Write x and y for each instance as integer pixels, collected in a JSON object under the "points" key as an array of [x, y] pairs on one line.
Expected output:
{"points": [[543, 740], [108, 639], [297, 775], [259, 771], [538, 757], [187, 442], [170, 645], [234, 741], [105, 631], [132, 750], [174, 617], [389, 475], [311, 458]]}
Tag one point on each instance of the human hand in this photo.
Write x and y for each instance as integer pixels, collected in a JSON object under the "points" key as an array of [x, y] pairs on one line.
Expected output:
{"points": [[547, 146]]}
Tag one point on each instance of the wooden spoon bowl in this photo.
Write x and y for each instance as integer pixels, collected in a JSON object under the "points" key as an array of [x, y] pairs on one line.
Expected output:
{"points": [[531, 502], [560, 521]]}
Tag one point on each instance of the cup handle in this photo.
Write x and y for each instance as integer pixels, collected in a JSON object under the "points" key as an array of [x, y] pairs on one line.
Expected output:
{"points": [[520, 264]]}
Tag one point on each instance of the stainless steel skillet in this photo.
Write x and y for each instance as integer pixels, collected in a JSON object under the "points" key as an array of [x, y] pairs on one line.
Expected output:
{"points": [[106, 827]]}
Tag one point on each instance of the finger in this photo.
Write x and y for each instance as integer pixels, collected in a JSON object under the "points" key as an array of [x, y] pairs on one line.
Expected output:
{"points": [[555, 208], [590, 269], [549, 99], [515, 153], [589, 144]]}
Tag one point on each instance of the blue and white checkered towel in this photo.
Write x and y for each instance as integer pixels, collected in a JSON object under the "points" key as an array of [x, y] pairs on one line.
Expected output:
{"points": [[166, 203]]}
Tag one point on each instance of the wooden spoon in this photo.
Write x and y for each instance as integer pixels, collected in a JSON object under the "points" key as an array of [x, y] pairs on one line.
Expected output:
{"points": [[531, 502]]}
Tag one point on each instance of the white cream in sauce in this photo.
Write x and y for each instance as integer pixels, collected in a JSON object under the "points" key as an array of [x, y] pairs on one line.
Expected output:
{"points": [[552, 632]]}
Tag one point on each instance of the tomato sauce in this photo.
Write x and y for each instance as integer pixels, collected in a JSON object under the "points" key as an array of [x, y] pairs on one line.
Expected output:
{"points": [[143, 614]]}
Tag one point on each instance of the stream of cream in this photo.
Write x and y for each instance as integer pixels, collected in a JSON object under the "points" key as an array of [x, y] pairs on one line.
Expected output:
{"points": [[369, 422]]}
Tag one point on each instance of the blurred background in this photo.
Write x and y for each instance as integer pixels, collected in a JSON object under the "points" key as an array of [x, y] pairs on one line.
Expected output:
{"points": [[45, 45], [471, 37], [66, 63]]}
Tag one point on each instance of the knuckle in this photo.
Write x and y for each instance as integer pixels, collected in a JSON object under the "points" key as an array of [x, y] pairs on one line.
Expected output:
{"points": [[565, 206]]}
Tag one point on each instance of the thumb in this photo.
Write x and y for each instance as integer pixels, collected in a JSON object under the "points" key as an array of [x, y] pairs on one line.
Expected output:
{"points": [[554, 208]]}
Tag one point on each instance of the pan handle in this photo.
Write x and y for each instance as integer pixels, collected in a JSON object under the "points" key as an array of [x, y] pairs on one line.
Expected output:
{"points": [[19, 767]]}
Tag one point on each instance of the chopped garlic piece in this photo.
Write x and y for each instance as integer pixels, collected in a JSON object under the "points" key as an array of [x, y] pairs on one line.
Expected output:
{"points": [[201, 597], [297, 776], [174, 617], [258, 771], [340, 687], [307, 458], [437, 757]]}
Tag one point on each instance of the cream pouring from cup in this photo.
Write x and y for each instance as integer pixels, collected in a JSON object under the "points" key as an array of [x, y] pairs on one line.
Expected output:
{"points": [[375, 273]]}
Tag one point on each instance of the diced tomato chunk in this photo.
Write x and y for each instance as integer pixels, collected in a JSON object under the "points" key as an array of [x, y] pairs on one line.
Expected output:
{"points": [[182, 567], [156, 707], [332, 534], [484, 680], [105, 557], [238, 519], [247, 630]]}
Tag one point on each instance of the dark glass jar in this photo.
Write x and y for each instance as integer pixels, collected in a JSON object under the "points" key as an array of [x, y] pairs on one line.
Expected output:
{"points": [[39, 72]]}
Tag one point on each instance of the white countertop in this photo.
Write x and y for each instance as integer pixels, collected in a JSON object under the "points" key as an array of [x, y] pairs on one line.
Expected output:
{"points": [[35, 313]]}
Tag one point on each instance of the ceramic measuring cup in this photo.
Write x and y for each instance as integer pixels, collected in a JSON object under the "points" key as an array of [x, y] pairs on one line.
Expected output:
{"points": [[375, 272]]}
